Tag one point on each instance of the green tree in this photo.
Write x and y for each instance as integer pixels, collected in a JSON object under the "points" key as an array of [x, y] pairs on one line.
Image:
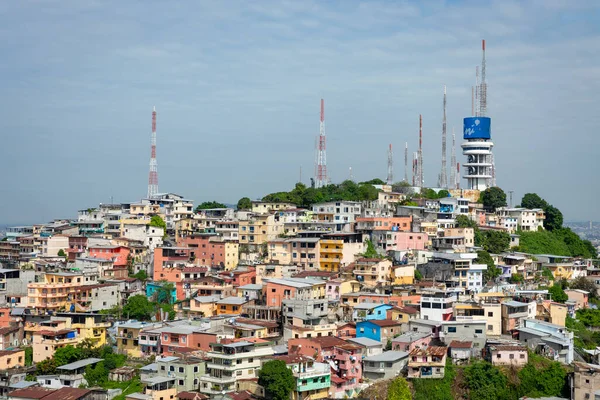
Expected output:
{"points": [[244, 203], [532, 200], [207, 205], [371, 252], [388, 345], [418, 275], [46, 367], [158, 222], [67, 355], [492, 198], [170, 311], [96, 375], [554, 218], [492, 271], [495, 242], [375, 181], [61, 253], [28, 355], [516, 278], [402, 187], [138, 307], [443, 194], [485, 382], [142, 275], [429, 193], [164, 293], [539, 381], [462, 221], [557, 293], [277, 379], [399, 390]]}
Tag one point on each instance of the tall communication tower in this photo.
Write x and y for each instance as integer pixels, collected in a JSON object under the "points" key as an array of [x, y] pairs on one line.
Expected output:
{"points": [[443, 174], [406, 162], [480, 167], [453, 180], [415, 172], [153, 174], [420, 180], [321, 167], [390, 171]]}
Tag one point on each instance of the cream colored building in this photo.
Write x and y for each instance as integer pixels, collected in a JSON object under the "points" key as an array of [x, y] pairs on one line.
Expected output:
{"points": [[259, 229], [266, 207]]}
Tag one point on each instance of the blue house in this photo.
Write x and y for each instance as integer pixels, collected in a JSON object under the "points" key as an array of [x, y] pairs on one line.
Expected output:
{"points": [[370, 311], [153, 287], [379, 330]]}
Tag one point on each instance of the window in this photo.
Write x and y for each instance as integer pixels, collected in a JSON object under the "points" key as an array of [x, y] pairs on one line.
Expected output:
{"points": [[490, 327], [196, 368], [451, 329], [181, 382], [521, 356], [124, 343], [162, 367], [180, 369], [166, 337], [490, 313], [172, 368], [238, 373], [478, 330]]}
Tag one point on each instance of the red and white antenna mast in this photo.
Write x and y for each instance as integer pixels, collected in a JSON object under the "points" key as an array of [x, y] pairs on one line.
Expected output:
{"points": [[153, 174], [321, 179]]}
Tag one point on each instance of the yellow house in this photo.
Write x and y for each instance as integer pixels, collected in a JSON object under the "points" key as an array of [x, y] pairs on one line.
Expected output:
{"points": [[58, 290], [280, 251], [47, 336], [331, 253], [560, 270], [203, 306], [259, 229], [300, 331], [89, 326], [12, 359], [156, 388], [231, 254], [403, 275], [128, 336], [402, 314], [231, 305]]}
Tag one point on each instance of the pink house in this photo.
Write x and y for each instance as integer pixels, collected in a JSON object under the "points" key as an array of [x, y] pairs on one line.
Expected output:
{"points": [[117, 254], [507, 355], [580, 297], [411, 240], [411, 340]]}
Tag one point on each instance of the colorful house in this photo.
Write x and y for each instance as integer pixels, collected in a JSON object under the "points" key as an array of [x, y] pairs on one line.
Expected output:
{"points": [[370, 311], [313, 379], [117, 254], [380, 330]]}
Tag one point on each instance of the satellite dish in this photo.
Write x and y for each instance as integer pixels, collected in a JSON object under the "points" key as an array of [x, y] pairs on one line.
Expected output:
{"points": [[24, 342]]}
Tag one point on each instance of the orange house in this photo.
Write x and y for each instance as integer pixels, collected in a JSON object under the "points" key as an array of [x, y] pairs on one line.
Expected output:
{"points": [[240, 277], [281, 289], [202, 250], [185, 338], [402, 224], [117, 254]]}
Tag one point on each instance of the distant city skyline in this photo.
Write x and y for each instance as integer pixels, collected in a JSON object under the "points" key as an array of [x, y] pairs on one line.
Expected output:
{"points": [[237, 87]]}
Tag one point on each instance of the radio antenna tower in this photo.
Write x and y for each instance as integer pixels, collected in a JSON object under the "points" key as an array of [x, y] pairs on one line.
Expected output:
{"points": [[406, 162], [483, 85], [453, 163], [390, 171], [444, 174], [420, 180], [415, 171], [321, 167], [153, 174], [477, 92]]}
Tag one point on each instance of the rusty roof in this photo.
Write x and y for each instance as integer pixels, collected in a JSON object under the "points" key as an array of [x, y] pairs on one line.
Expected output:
{"points": [[292, 358], [429, 351], [385, 322], [508, 348], [67, 393], [8, 329], [191, 396], [327, 341], [31, 393], [457, 344]]}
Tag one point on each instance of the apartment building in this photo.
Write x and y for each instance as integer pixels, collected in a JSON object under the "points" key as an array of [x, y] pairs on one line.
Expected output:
{"points": [[488, 310], [372, 271], [313, 379], [186, 371], [513, 219], [231, 361], [437, 305], [259, 229], [428, 362], [278, 290]]}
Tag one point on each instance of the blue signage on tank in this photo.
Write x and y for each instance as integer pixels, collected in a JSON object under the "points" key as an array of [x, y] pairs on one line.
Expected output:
{"points": [[477, 128]]}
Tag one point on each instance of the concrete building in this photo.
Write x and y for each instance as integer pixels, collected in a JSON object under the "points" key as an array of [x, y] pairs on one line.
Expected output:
{"points": [[186, 371], [313, 379], [372, 271], [513, 219], [230, 362], [487, 309], [72, 374], [585, 382], [437, 305], [386, 365], [553, 341], [370, 311], [150, 236], [411, 340], [379, 330], [465, 331], [369, 347], [511, 355]]}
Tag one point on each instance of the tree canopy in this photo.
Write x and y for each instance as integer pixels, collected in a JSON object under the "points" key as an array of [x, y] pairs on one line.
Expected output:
{"points": [[277, 379], [306, 197], [494, 241], [158, 222], [244, 203], [139, 307], [492, 198], [462, 221], [583, 283], [402, 187], [486, 382], [560, 242], [557, 293], [375, 181], [554, 218], [207, 205], [492, 271], [399, 390]]}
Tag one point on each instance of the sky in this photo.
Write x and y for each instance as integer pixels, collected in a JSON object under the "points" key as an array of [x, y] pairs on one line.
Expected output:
{"points": [[237, 87]]}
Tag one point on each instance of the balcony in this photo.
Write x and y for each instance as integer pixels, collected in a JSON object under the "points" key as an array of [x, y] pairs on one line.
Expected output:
{"points": [[224, 379], [365, 272], [317, 369]]}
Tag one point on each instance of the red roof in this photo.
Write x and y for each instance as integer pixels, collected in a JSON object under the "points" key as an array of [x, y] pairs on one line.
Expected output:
{"points": [[457, 344], [67, 393], [31, 393], [336, 379], [385, 322], [408, 310]]}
